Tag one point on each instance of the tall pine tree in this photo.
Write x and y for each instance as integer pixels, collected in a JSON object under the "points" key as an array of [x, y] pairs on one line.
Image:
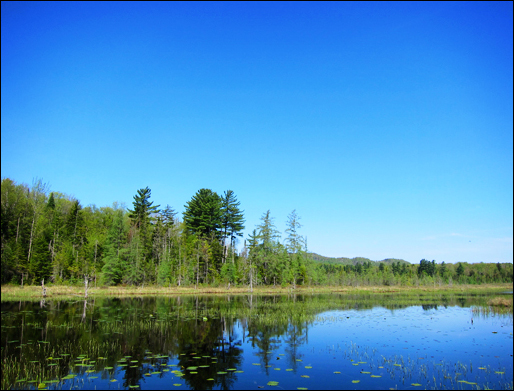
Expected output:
{"points": [[232, 219], [203, 214], [142, 218]]}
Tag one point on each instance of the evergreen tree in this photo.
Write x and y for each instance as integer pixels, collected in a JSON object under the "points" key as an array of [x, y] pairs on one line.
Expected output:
{"points": [[51, 202], [142, 217], [114, 259], [203, 214], [425, 268], [268, 236], [460, 270], [295, 242], [143, 208], [432, 268], [232, 220], [168, 216]]}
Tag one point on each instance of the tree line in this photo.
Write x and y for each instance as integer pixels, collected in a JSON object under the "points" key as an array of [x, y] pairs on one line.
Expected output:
{"points": [[50, 235]]}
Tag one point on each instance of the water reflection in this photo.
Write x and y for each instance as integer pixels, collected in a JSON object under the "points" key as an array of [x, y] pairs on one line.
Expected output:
{"points": [[205, 342]]}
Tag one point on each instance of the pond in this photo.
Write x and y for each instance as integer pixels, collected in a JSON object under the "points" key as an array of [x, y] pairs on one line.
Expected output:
{"points": [[329, 341]]}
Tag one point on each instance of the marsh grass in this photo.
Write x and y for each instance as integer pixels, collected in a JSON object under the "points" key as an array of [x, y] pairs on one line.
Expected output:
{"points": [[501, 302], [62, 292], [498, 306]]}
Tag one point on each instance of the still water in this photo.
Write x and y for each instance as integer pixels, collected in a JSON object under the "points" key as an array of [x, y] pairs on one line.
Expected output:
{"points": [[257, 342]]}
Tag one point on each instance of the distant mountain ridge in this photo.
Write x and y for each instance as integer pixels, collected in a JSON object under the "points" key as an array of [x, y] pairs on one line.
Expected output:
{"points": [[352, 261]]}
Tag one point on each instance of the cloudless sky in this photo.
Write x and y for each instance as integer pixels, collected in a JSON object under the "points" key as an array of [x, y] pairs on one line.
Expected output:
{"points": [[387, 126]]}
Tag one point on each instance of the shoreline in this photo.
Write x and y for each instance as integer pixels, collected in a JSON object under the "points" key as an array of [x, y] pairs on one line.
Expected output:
{"points": [[63, 292]]}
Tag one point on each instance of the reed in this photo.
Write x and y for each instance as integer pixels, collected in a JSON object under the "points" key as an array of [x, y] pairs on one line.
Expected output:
{"points": [[501, 302]]}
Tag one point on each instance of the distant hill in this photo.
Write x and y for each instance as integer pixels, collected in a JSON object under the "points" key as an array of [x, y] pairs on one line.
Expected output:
{"points": [[352, 261]]}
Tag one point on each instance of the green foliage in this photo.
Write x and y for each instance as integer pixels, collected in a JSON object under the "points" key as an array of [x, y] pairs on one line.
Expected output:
{"points": [[232, 220], [229, 273], [203, 214], [115, 252], [426, 268], [51, 236], [295, 242], [142, 216], [460, 270], [143, 208]]}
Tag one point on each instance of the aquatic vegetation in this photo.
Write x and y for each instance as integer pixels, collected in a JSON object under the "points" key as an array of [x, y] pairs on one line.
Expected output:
{"points": [[115, 336], [501, 301]]}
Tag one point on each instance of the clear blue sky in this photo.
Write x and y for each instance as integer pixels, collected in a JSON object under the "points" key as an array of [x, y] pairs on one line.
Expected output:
{"points": [[387, 126]]}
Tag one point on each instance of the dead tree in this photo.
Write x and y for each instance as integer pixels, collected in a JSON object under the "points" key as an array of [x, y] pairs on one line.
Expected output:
{"points": [[43, 286], [86, 281]]}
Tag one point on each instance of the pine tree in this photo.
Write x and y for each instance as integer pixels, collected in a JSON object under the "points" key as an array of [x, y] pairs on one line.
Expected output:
{"points": [[142, 218], [295, 243], [294, 240], [143, 208], [203, 214], [268, 236], [460, 270], [114, 256], [232, 220], [268, 233]]}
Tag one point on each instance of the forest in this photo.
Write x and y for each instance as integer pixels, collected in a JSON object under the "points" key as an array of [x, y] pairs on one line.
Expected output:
{"points": [[50, 236]]}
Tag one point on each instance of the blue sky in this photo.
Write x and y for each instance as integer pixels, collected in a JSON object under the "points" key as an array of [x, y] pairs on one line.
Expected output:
{"points": [[387, 126]]}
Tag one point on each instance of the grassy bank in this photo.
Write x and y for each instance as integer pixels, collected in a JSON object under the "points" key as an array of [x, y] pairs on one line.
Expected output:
{"points": [[12, 292]]}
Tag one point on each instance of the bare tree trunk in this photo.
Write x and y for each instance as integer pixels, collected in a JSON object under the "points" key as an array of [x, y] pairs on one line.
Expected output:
{"points": [[18, 229], [85, 283], [179, 263], [251, 276], [43, 287], [96, 243], [31, 234], [197, 267], [206, 270]]}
